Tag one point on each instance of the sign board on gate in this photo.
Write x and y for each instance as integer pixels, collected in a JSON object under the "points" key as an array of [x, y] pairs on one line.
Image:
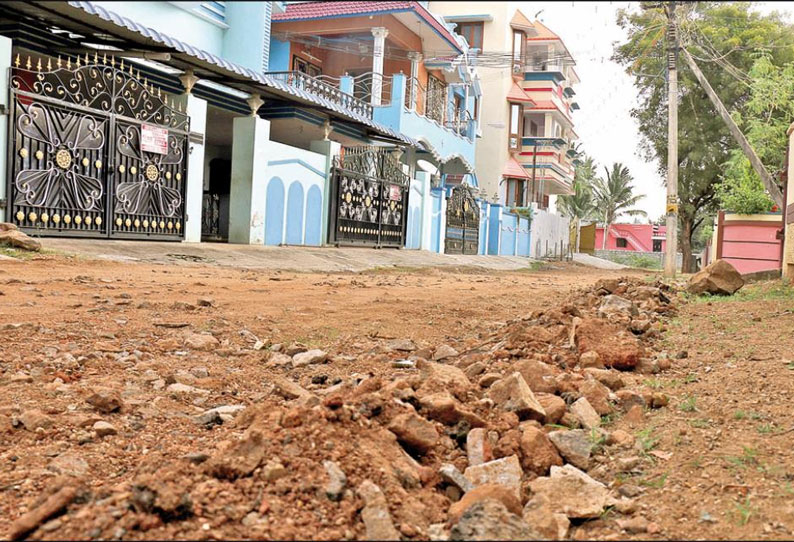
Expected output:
{"points": [[154, 139], [394, 192]]}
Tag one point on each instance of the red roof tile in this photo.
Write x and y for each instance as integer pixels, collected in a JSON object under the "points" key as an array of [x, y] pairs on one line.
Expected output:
{"points": [[514, 170], [302, 11], [517, 94]]}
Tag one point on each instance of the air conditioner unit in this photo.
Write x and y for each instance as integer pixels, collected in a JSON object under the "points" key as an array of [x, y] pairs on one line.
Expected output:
{"points": [[516, 68]]}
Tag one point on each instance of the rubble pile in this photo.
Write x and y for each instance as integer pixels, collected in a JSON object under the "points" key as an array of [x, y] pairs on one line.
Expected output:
{"points": [[503, 439]]}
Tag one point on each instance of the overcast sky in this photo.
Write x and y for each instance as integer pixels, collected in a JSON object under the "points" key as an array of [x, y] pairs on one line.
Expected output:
{"points": [[606, 94]]}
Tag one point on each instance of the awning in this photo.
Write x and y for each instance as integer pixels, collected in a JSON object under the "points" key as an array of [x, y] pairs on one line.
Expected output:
{"points": [[518, 94], [513, 170]]}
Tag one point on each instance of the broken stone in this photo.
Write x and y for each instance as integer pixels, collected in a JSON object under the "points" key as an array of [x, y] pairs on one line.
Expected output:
{"points": [[548, 524], [105, 400], [104, 429], [238, 458], [487, 380], [309, 357], [585, 413], [620, 438], [609, 378], [273, 470], [538, 454], [200, 341], [513, 394], [635, 525], [489, 519], [571, 492], [553, 405], [336, 480], [69, 464], [505, 471], [496, 492], [443, 352], [612, 304], [401, 345], [54, 504], [478, 447], [451, 475], [414, 432], [18, 239], [184, 388], [574, 446], [375, 514], [718, 278], [446, 409], [439, 377], [205, 302], [200, 372], [33, 419], [590, 360], [539, 376]]}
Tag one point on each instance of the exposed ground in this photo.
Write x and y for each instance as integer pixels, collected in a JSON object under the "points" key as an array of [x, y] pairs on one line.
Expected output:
{"points": [[715, 463]]}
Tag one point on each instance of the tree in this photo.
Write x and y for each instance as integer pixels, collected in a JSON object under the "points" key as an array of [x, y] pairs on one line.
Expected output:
{"points": [[767, 115], [579, 205], [614, 196], [726, 36]]}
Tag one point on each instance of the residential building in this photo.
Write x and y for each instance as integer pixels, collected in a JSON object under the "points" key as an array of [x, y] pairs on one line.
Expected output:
{"points": [[526, 152], [400, 58], [631, 237], [171, 126]]}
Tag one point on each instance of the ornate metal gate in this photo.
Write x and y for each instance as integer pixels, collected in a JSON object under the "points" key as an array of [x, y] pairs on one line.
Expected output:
{"points": [[463, 222], [369, 198], [95, 151]]}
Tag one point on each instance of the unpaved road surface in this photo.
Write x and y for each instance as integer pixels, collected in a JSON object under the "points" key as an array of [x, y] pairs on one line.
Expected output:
{"points": [[108, 371]]}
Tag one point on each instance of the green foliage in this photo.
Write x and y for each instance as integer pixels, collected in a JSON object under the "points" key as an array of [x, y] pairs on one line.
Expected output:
{"points": [[614, 197], [642, 261], [729, 31], [580, 203], [766, 116]]}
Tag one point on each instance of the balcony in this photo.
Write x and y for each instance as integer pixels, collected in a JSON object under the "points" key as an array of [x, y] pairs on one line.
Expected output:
{"points": [[328, 88], [547, 157]]}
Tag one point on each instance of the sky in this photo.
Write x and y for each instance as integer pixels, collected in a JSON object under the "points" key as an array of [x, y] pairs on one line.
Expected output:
{"points": [[606, 93]]}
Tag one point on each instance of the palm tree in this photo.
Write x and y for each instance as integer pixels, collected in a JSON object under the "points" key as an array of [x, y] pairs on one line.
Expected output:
{"points": [[580, 205], [614, 196]]}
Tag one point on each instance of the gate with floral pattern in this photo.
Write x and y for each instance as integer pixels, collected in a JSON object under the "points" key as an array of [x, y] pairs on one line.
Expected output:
{"points": [[95, 150]]}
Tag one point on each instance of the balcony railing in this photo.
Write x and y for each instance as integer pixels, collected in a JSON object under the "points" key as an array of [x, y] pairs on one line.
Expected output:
{"points": [[365, 84], [429, 102], [325, 89], [459, 123]]}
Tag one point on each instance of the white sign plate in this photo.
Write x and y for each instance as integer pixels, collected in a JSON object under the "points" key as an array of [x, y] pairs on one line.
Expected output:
{"points": [[154, 139]]}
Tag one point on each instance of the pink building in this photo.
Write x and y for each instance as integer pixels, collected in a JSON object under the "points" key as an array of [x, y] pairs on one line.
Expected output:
{"points": [[632, 237]]}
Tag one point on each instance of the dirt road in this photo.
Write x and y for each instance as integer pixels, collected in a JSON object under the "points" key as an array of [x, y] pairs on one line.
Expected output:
{"points": [[109, 372]]}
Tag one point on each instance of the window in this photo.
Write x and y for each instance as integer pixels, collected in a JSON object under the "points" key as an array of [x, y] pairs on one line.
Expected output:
{"points": [[518, 49], [515, 193], [304, 66], [476, 109], [657, 245], [621, 242], [515, 117], [473, 34]]}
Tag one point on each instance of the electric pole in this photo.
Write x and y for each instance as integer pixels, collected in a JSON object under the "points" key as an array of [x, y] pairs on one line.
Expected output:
{"points": [[671, 209]]}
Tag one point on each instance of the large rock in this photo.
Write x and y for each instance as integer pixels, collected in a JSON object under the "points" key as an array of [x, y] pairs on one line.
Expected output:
{"points": [[597, 395], [720, 278], [309, 357], [553, 405], [478, 447], [574, 446], [550, 525], [490, 520], [200, 341], [571, 492], [513, 394], [615, 347], [506, 472], [34, 418], [538, 454], [415, 432], [105, 400], [17, 239], [439, 377], [488, 491]]}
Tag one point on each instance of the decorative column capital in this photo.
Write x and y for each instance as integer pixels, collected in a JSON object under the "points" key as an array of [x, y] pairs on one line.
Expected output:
{"points": [[188, 80], [415, 56], [255, 102], [380, 32]]}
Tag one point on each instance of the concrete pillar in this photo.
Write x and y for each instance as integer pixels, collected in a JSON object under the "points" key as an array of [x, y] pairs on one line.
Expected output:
{"points": [[788, 238], [442, 231], [248, 183], [379, 34], [5, 70], [330, 149], [196, 108], [425, 238], [415, 59]]}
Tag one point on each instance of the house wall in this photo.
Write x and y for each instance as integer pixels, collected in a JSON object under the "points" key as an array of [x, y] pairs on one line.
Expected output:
{"points": [[748, 242], [241, 36], [788, 213], [550, 234]]}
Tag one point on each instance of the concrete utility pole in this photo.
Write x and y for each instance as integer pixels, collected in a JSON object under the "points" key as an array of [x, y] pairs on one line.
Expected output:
{"points": [[766, 178], [671, 209]]}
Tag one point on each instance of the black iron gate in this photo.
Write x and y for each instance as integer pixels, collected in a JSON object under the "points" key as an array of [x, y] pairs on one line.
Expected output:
{"points": [[94, 151], [369, 198], [463, 222]]}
